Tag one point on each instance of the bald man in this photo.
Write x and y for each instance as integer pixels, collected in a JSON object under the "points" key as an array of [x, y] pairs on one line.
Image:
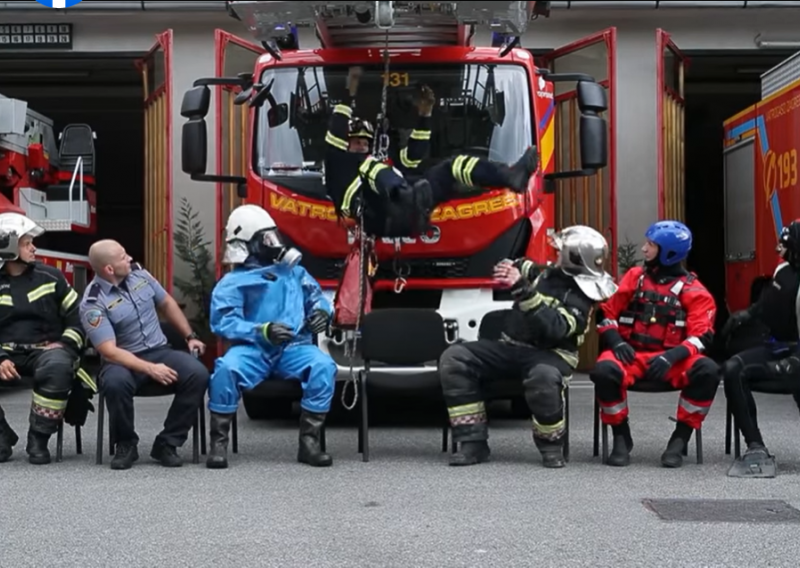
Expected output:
{"points": [[119, 313]]}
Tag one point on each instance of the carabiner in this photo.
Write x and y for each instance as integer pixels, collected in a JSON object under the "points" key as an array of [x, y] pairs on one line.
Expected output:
{"points": [[399, 285]]}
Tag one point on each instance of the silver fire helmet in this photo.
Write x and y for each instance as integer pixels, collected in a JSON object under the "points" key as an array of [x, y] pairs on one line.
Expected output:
{"points": [[582, 253], [14, 226]]}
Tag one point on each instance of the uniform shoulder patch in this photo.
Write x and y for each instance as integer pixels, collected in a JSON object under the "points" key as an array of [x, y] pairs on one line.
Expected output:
{"points": [[93, 318]]}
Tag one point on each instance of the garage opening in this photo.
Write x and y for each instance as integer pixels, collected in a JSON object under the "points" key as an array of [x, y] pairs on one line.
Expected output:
{"points": [[717, 86], [104, 92]]}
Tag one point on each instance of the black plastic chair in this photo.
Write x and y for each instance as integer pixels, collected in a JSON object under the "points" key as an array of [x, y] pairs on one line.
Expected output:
{"points": [[400, 337], [643, 387], [491, 327]]}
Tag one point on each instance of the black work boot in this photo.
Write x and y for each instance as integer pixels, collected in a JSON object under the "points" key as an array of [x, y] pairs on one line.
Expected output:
{"points": [[471, 453], [165, 454], [309, 450], [38, 453], [673, 455], [552, 452], [8, 439], [423, 203], [125, 453], [623, 445], [218, 438], [520, 173]]}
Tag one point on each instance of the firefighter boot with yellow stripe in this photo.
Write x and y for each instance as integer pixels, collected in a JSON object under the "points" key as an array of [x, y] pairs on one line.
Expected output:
{"points": [[552, 452], [471, 453], [309, 450], [38, 452], [623, 445], [220, 425], [8, 438]]}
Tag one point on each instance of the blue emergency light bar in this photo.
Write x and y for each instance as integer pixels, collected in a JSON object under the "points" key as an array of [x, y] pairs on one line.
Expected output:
{"points": [[284, 43]]}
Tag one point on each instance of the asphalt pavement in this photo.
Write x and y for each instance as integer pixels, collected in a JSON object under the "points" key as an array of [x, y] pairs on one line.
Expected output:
{"points": [[405, 508]]}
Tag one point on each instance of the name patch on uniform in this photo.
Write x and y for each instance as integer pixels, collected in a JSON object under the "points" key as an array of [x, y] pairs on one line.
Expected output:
{"points": [[94, 318]]}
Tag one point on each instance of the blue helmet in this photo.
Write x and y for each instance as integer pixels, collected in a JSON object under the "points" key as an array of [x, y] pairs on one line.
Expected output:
{"points": [[674, 240]]}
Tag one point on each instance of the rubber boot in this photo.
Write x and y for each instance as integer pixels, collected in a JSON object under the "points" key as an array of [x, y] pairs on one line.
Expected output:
{"points": [[8, 438], [623, 445], [471, 453], [552, 452], [310, 450], [520, 173], [673, 455], [38, 453], [218, 440]]}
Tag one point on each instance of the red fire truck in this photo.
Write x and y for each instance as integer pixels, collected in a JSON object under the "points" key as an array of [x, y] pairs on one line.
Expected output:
{"points": [[761, 181], [51, 183], [492, 101]]}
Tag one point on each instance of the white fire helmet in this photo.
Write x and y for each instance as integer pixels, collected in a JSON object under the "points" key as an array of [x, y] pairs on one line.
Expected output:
{"points": [[14, 226], [582, 254], [243, 223]]}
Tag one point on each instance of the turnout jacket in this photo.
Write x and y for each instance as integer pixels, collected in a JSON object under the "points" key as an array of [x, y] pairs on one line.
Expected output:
{"points": [[550, 313], [38, 307], [779, 303], [346, 172]]}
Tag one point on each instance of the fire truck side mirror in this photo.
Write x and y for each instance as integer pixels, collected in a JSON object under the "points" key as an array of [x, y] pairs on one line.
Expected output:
{"points": [[194, 143], [593, 128]]}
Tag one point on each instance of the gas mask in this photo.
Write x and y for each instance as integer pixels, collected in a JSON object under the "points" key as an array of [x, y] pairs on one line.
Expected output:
{"points": [[268, 248]]}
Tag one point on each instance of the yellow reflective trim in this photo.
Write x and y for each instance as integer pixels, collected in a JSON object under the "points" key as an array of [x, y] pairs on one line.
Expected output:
{"points": [[49, 403], [343, 109], [349, 193], [456, 168], [467, 171], [466, 409], [6, 300], [70, 333], [68, 300], [420, 135], [41, 291], [406, 161], [86, 379], [336, 142]]}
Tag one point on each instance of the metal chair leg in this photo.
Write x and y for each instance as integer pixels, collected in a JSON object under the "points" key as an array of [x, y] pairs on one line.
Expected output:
{"points": [[698, 440], [203, 429], [566, 424], [101, 412], [235, 433], [445, 438], [596, 432], [78, 441], [60, 442], [362, 384], [605, 443], [196, 440], [728, 428]]}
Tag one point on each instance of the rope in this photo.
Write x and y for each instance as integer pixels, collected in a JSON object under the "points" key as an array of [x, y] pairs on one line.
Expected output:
{"points": [[380, 152]]}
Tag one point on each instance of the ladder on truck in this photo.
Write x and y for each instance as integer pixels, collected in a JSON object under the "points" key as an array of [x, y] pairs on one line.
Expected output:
{"points": [[382, 23], [62, 205]]}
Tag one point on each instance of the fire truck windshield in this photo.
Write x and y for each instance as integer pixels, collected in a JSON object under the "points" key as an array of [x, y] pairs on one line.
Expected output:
{"points": [[481, 109]]}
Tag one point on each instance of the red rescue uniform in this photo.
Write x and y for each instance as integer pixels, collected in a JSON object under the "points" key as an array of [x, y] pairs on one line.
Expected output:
{"points": [[653, 317]]}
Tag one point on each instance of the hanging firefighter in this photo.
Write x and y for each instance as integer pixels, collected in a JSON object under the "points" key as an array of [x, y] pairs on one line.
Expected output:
{"points": [[656, 328], [392, 205]]}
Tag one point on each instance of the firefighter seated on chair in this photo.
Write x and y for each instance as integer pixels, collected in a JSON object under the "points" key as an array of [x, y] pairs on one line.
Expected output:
{"points": [[41, 335], [399, 202], [775, 362], [543, 333], [656, 328], [268, 307]]}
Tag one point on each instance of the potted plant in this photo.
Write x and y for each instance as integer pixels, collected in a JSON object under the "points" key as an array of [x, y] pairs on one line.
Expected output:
{"points": [[626, 257], [193, 248]]}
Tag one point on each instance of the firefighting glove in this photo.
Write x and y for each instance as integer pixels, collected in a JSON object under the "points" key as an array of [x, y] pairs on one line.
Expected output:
{"points": [[278, 333], [659, 366], [788, 366], [426, 101], [621, 349], [736, 320], [79, 404], [318, 322]]}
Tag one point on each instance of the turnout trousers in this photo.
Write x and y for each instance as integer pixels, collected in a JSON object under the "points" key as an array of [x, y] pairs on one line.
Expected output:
{"points": [[697, 377], [465, 368], [120, 385], [751, 367]]}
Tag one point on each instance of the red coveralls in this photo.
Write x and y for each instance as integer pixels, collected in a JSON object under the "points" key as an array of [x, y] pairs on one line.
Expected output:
{"points": [[653, 318]]}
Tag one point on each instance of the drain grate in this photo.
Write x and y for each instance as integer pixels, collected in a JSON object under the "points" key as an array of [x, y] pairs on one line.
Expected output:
{"points": [[723, 510]]}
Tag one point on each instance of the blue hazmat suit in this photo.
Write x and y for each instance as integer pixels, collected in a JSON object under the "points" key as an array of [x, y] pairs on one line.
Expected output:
{"points": [[242, 302]]}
